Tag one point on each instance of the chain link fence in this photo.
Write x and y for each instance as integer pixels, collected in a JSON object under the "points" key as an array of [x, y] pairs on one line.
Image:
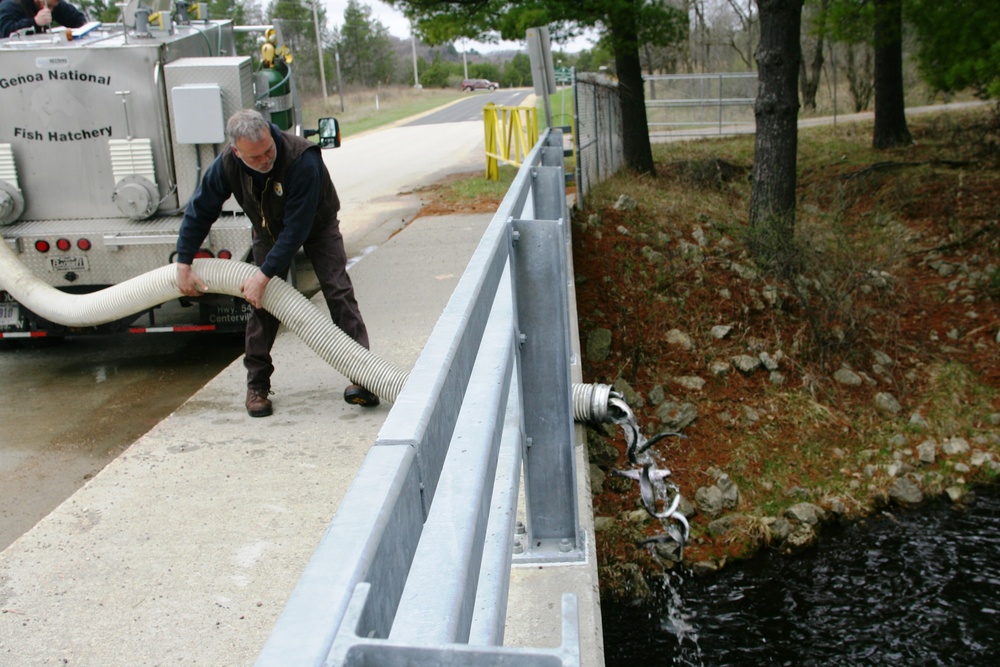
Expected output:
{"points": [[677, 105], [700, 104]]}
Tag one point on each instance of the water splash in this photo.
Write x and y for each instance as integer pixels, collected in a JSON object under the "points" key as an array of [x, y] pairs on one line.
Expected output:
{"points": [[675, 617]]}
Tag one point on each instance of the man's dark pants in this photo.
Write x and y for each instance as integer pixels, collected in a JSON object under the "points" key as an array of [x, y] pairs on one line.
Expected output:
{"points": [[325, 250]]}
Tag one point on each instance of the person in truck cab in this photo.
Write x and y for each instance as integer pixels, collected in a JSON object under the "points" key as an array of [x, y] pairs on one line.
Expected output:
{"points": [[283, 186], [38, 14]]}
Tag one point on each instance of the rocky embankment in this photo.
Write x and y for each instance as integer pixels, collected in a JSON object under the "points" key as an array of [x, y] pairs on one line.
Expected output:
{"points": [[900, 447]]}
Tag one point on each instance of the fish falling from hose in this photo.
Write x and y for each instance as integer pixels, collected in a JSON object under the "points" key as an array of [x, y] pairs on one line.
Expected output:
{"points": [[652, 481]]}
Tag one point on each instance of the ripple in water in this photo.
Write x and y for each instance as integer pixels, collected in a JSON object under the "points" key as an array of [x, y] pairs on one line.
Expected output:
{"points": [[909, 589]]}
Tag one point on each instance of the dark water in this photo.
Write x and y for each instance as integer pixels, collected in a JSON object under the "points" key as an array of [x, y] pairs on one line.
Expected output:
{"points": [[917, 588]]}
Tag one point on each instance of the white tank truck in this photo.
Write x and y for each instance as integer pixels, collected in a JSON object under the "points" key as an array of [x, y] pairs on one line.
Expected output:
{"points": [[105, 131]]}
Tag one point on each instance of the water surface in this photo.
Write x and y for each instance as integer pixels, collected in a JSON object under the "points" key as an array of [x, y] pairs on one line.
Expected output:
{"points": [[906, 588]]}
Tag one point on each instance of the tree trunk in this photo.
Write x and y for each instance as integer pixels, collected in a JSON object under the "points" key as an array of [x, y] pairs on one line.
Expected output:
{"points": [[859, 76], [637, 151], [702, 32], [686, 50], [890, 108], [772, 198], [809, 76], [652, 70], [746, 22]]}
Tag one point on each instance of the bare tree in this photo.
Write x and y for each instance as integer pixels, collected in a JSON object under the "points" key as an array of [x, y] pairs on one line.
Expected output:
{"points": [[809, 74], [700, 33], [848, 24], [745, 16], [684, 46], [860, 74]]}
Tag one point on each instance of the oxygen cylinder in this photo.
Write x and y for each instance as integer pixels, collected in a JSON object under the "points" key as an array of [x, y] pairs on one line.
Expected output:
{"points": [[278, 100]]}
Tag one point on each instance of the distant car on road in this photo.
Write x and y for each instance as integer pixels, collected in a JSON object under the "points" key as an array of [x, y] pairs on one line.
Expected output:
{"points": [[479, 84]]}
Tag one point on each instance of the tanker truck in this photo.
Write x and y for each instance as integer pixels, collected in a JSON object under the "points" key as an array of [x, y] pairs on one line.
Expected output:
{"points": [[105, 131]]}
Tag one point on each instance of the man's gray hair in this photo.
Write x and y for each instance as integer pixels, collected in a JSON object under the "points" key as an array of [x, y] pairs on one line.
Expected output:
{"points": [[247, 124]]}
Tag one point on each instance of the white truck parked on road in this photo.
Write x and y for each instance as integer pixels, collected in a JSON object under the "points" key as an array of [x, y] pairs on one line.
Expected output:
{"points": [[105, 131]]}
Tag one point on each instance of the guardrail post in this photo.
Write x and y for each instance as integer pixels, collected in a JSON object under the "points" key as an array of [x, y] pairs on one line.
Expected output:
{"points": [[541, 286]]}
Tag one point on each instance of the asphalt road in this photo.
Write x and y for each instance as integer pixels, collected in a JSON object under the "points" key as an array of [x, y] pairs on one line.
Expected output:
{"points": [[70, 407], [377, 173], [470, 108]]}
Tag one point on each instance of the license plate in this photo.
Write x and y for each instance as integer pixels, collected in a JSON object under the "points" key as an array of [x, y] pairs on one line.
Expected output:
{"points": [[223, 315], [10, 314], [67, 263]]}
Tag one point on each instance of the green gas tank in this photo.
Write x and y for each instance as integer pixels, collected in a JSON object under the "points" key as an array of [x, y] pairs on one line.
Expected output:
{"points": [[276, 82]]}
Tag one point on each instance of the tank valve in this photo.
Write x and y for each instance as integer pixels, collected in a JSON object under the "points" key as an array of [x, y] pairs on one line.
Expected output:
{"points": [[135, 197], [11, 203]]}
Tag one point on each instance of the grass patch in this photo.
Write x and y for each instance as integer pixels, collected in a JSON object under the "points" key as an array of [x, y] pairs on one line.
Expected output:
{"points": [[468, 193], [561, 105], [477, 188], [956, 401]]}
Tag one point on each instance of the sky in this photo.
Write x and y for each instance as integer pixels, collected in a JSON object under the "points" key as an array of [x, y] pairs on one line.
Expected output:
{"points": [[399, 26]]}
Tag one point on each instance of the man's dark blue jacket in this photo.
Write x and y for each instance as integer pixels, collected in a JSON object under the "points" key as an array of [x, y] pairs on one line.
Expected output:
{"points": [[18, 14]]}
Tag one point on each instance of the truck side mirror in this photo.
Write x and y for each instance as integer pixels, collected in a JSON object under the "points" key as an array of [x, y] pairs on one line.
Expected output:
{"points": [[329, 133]]}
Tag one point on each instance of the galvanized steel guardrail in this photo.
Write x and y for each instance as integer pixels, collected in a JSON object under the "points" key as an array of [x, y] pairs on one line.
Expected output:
{"points": [[414, 568]]}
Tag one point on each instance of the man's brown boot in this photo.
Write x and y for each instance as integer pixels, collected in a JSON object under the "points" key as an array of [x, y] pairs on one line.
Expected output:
{"points": [[258, 404], [355, 394]]}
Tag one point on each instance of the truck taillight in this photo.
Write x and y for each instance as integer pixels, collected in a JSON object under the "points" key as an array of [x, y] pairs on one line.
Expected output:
{"points": [[42, 246], [225, 254], [64, 244], [83, 244], [203, 254]]}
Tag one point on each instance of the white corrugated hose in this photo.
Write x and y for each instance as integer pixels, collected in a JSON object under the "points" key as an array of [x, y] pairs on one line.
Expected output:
{"points": [[223, 277], [312, 325]]}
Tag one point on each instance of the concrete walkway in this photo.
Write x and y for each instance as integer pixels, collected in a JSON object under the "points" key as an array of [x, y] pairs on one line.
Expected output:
{"points": [[185, 549]]}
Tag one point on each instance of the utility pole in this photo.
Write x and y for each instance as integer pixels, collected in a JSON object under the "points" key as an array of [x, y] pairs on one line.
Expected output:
{"points": [[319, 49], [413, 43], [340, 82]]}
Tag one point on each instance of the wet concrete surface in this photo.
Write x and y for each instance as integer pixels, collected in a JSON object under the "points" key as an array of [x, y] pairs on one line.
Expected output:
{"points": [[70, 406]]}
